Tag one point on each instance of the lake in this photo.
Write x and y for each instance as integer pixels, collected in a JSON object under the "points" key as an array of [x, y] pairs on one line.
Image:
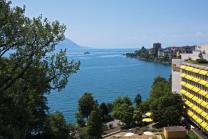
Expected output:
{"points": [[107, 74]]}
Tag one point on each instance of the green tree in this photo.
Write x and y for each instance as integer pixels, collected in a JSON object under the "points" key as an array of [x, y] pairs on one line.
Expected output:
{"points": [[167, 110], [137, 117], [104, 111], [138, 100], [125, 114], [30, 68], [123, 110], [144, 106], [94, 125], [86, 104], [80, 119], [160, 88], [57, 128], [110, 107], [120, 101]]}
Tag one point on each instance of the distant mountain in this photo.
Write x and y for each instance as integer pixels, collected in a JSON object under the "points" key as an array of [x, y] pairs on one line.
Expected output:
{"points": [[68, 44]]}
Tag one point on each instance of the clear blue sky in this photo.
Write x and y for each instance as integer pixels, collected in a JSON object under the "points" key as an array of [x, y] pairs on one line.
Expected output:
{"points": [[126, 23]]}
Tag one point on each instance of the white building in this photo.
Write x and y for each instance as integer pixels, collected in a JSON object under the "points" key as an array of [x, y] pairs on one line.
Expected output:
{"points": [[195, 55]]}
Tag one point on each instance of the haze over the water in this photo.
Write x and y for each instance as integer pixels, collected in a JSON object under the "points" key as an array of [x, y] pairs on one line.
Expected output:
{"points": [[126, 23]]}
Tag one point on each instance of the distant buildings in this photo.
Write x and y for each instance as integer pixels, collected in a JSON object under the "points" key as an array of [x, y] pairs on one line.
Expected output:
{"points": [[156, 47], [174, 52], [203, 49], [169, 52], [190, 79]]}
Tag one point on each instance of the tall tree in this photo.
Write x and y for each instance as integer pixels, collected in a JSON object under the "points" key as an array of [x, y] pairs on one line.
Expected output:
{"points": [[120, 101], [125, 113], [86, 104], [138, 100], [137, 117], [103, 108], [94, 125], [123, 110], [30, 68], [167, 110], [160, 88], [57, 128]]}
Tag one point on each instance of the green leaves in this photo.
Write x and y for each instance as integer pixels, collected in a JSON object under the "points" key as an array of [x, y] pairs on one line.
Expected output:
{"points": [[94, 125], [86, 104], [167, 110], [160, 88], [30, 67], [124, 111]]}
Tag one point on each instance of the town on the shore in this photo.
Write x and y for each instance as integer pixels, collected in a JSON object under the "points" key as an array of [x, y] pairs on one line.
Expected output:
{"points": [[161, 55]]}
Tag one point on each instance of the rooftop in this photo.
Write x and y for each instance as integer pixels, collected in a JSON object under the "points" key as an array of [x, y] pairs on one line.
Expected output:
{"points": [[175, 128]]}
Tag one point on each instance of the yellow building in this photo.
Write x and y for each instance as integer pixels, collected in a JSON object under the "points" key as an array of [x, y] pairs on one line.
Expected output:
{"points": [[194, 90]]}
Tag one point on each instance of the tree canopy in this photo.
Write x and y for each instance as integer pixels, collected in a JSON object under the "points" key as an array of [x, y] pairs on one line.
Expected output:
{"points": [[94, 125], [86, 104], [125, 111], [159, 88], [167, 110], [138, 100], [30, 67]]}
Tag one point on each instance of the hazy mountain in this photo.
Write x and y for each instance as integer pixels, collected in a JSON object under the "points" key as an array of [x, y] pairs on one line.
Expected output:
{"points": [[68, 44]]}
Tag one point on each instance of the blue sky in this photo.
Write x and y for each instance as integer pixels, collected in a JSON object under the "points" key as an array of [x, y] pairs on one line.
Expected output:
{"points": [[126, 23]]}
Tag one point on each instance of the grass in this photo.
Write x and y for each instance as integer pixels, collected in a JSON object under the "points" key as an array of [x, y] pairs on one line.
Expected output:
{"points": [[192, 135], [196, 62]]}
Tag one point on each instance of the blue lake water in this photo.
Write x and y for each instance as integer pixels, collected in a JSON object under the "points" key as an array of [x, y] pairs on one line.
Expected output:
{"points": [[107, 74]]}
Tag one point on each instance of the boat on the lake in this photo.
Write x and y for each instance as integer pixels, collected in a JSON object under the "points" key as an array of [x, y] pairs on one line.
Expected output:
{"points": [[86, 53]]}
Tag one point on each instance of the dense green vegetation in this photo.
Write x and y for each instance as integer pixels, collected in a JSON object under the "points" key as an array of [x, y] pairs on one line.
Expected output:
{"points": [[94, 125], [144, 54], [167, 108], [92, 116], [124, 110], [198, 61], [30, 68], [192, 135]]}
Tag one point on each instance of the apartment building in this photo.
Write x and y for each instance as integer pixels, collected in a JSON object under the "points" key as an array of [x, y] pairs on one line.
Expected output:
{"points": [[191, 81]]}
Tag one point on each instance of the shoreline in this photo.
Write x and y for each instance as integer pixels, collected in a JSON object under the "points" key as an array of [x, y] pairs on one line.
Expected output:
{"points": [[150, 60]]}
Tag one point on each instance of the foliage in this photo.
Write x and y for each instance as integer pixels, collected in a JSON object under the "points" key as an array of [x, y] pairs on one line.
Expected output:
{"points": [[197, 61], [120, 101], [137, 117], [148, 55], [86, 104], [83, 133], [159, 88], [57, 128], [201, 61], [105, 109], [94, 125], [30, 68], [144, 106], [80, 119], [201, 56], [138, 100], [192, 135], [167, 110], [125, 112]]}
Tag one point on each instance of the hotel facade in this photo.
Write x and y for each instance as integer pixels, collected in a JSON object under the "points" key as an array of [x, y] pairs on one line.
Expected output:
{"points": [[191, 81]]}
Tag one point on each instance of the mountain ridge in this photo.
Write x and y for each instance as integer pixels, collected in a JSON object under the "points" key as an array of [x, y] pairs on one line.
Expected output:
{"points": [[69, 44]]}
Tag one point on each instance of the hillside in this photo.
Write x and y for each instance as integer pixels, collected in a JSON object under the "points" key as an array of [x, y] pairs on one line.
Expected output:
{"points": [[68, 44]]}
